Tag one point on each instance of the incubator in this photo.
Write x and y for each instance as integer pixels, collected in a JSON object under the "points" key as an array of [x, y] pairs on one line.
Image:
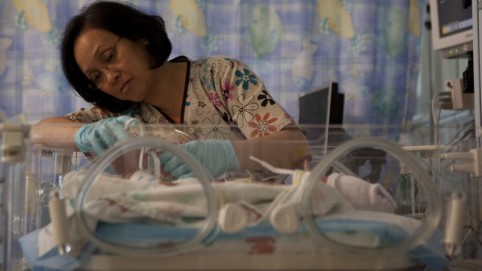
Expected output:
{"points": [[16, 189], [363, 202]]}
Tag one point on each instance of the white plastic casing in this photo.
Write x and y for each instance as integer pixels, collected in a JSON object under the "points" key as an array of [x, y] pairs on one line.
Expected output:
{"points": [[13, 147], [285, 219], [232, 218]]}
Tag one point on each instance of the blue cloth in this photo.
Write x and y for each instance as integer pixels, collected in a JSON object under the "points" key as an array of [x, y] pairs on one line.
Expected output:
{"points": [[430, 254], [388, 234], [50, 261]]}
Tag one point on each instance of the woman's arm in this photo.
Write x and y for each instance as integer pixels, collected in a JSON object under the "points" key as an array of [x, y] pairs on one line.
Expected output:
{"points": [[271, 134], [285, 149], [55, 132]]}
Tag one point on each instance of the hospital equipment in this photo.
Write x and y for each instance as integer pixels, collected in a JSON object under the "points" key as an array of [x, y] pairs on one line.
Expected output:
{"points": [[25, 187], [15, 197], [430, 223], [222, 234], [213, 226], [451, 27]]}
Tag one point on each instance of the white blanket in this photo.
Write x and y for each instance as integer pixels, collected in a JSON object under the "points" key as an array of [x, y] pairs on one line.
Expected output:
{"points": [[115, 199]]}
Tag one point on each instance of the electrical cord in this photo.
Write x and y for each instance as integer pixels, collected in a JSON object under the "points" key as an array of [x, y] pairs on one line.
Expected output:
{"points": [[436, 114]]}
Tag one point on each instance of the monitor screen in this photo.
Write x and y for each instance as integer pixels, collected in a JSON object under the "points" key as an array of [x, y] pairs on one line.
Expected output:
{"points": [[451, 27], [319, 109]]}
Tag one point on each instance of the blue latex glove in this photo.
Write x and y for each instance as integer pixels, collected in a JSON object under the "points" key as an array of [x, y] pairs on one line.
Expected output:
{"points": [[216, 156], [101, 135]]}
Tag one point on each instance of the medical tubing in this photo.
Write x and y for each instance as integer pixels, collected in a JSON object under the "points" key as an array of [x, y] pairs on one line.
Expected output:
{"points": [[205, 230], [412, 196], [428, 225], [141, 134]]}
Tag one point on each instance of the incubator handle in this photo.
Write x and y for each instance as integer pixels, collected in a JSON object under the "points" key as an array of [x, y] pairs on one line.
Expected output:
{"points": [[60, 223]]}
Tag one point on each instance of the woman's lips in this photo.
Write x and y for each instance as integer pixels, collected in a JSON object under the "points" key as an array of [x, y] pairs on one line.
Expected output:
{"points": [[125, 87]]}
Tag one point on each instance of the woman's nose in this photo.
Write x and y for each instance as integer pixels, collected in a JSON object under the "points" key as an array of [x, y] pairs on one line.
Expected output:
{"points": [[111, 75]]}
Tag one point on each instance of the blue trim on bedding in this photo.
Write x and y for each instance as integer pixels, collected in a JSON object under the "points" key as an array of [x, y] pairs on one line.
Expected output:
{"points": [[389, 234], [430, 254]]}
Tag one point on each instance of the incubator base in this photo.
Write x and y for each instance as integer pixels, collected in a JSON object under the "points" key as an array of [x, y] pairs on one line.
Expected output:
{"points": [[326, 261]]}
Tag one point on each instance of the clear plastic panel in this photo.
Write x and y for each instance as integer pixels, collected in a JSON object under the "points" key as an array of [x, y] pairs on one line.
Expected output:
{"points": [[17, 194], [360, 192], [125, 186], [3, 229], [375, 223], [48, 167], [383, 192], [17, 205]]}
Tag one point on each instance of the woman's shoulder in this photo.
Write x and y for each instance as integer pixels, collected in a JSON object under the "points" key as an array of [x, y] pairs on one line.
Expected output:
{"points": [[216, 59]]}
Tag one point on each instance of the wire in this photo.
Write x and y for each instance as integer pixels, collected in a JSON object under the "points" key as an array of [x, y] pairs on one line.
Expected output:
{"points": [[141, 134], [436, 115]]}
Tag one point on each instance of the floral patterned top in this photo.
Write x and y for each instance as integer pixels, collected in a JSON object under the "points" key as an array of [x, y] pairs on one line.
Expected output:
{"points": [[223, 99]]}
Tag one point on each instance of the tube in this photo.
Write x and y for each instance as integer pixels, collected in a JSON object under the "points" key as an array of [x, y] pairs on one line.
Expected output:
{"points": [[206, 230], [427, 227]]}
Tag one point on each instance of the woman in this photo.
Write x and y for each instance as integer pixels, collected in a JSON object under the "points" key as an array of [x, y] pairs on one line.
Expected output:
{"points": [[116, 57]]}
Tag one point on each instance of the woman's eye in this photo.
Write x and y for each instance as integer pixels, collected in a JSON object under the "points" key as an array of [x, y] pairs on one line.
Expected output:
{"points": [[95, 77], [109, 57]]}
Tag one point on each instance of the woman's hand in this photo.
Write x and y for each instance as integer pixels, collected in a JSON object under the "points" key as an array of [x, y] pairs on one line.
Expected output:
{"points": [[216, 156], [103, 134]]}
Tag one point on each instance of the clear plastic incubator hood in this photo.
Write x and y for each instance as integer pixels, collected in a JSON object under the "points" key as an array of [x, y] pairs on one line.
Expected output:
{"points": [[363, 204]]}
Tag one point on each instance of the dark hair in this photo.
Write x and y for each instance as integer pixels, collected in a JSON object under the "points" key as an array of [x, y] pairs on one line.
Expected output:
{"points": [[123, 20]]}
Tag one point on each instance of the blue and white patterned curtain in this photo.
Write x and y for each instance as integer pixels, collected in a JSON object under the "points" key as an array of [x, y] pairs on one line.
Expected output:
{"points": [[371, 48]]}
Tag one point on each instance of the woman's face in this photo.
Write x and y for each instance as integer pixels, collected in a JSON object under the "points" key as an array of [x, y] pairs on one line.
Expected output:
{"points": [[116, 65]]}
